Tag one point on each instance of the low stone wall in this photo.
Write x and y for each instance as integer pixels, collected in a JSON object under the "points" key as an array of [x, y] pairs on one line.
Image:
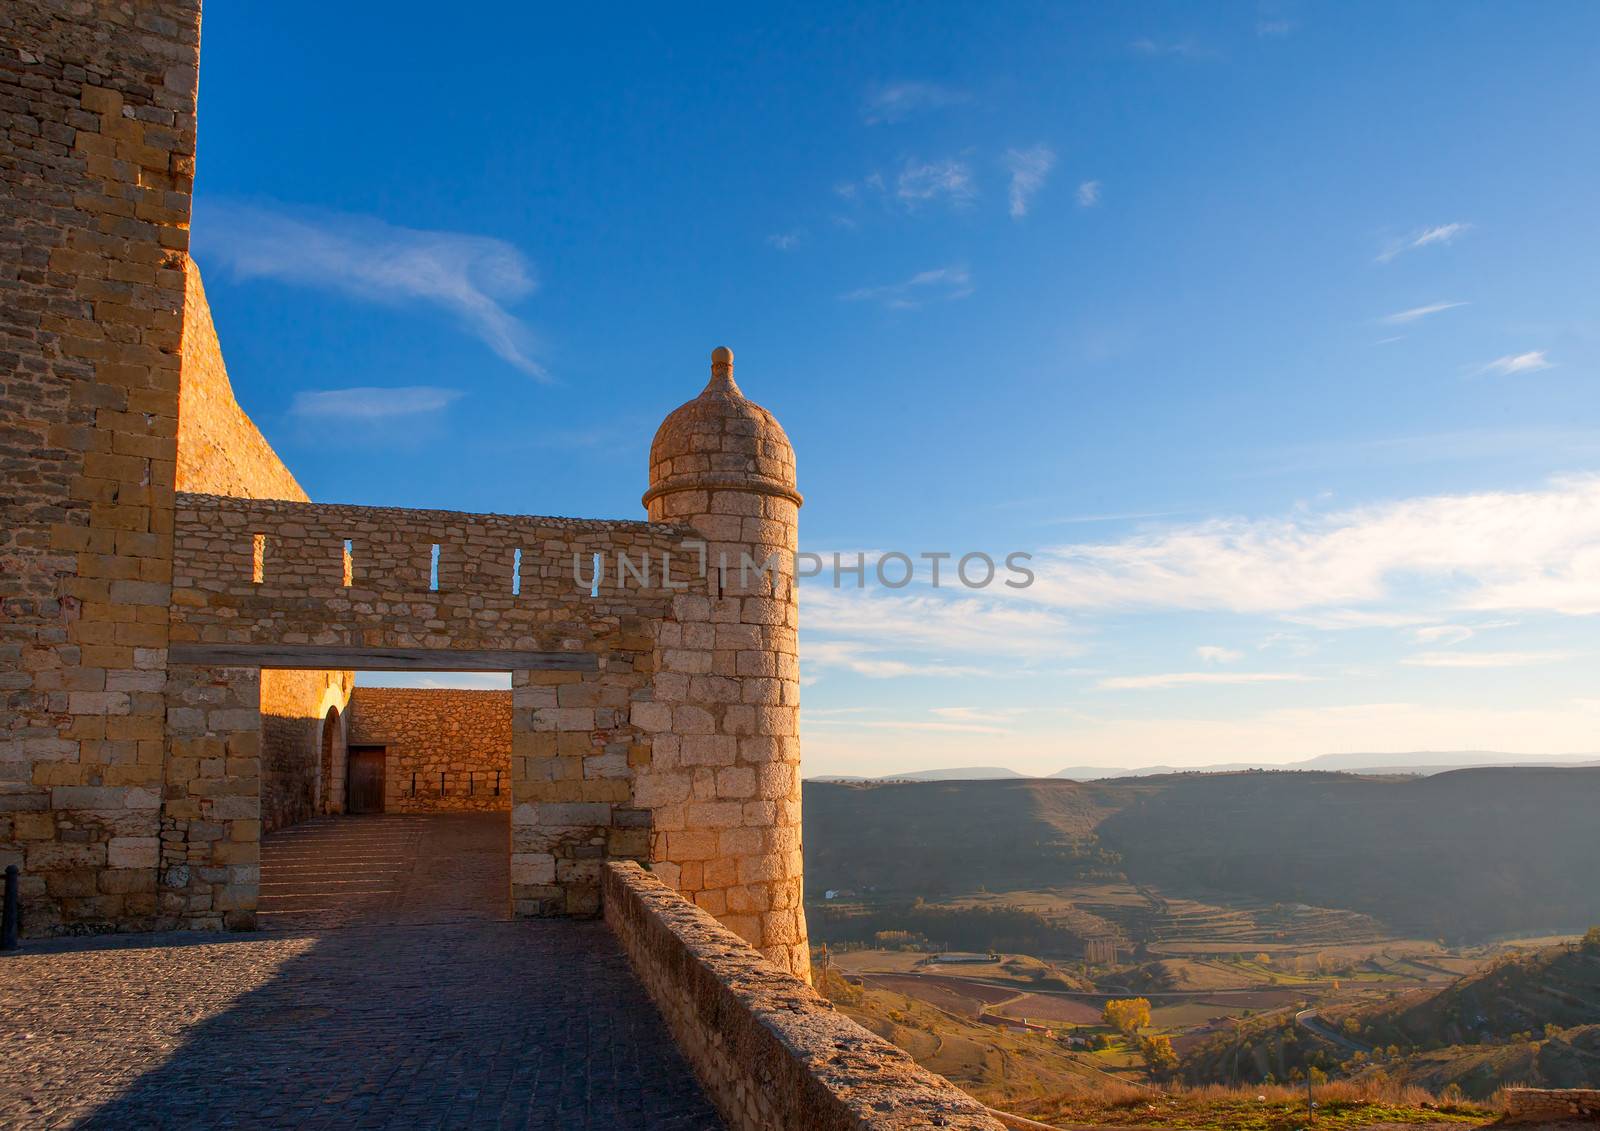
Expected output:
{"points": [[769, 1050], [447, 749], [1551, 1105]]}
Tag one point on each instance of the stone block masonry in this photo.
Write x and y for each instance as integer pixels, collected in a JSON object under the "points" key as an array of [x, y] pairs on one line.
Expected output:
{"points": [[447, 750], [177, 622], [1552, 1105], [97, 149], [768, 1049]]}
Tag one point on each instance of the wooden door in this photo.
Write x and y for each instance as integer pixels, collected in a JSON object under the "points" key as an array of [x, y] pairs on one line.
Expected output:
{"points": [[366, 779]]}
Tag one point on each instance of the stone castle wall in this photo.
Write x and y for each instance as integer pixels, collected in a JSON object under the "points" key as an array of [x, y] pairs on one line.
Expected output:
{"points": [[575, 743], [768, 1049], [97, 147], [222, 452], [220, 449], [653, 718], [1552, 1105], [463, 735]]}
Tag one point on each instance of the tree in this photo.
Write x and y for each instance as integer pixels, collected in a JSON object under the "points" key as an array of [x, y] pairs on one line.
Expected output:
{"points": [[1591, 939], [1127, 1014], [1158, 1054]]}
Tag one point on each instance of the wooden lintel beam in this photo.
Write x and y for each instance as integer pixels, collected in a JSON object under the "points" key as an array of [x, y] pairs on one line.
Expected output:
{"points": [[314, 657]]}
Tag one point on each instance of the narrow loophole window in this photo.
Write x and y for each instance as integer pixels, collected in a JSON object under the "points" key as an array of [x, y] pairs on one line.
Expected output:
{"points": [[599, 565], [258, 558], [349, 564], [433, 569], [516, 573]]}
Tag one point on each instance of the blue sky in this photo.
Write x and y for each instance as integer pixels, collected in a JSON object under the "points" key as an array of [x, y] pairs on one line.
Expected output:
{"points": [[1272, 331]]}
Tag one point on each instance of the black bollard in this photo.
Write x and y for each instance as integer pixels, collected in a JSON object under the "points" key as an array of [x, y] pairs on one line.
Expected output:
{"points": [[10, 919]]}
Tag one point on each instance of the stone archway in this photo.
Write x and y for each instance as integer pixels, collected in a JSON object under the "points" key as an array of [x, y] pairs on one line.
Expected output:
{"points": [[329, 770]]}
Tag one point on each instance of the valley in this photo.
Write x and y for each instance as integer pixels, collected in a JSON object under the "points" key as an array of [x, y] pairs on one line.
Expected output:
{"points": [[1281, 927]]}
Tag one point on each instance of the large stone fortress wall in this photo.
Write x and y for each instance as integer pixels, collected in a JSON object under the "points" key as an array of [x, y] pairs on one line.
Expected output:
{"points": [[180, 623], [97, 146]]}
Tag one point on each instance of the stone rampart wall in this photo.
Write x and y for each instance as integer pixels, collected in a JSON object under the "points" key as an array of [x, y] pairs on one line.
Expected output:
{"points": [[770, 1051], [1552, 1105], [220, 449], [97, 146], [448, 749]]}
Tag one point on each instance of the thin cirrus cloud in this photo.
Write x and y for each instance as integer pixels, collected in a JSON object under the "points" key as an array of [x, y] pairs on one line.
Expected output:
{"points": [[1216, 654], [1537, 550], [786, 241], [1029, 168], [370, 403], [1179, 49], [949, 180], [1088, 194], [1439, 234], [1181, 679], [941, 284], [1530, 362], [896, 101], [1401, 317], [471, 277], [1484, 659]]}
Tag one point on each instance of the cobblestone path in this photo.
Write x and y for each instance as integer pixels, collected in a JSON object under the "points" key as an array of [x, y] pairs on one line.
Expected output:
{"points": [[471, 1023]]}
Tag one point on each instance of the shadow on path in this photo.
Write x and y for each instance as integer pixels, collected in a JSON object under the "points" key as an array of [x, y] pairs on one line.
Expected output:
{"points": [[510, 1024]]}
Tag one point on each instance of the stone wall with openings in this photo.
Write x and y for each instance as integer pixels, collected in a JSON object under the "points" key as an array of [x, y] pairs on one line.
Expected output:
{"points": [[315, 578], [97, 146], [446, 749]]}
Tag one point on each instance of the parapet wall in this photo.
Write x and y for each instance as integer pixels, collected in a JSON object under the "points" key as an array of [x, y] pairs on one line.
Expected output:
{"points": [[448, 750], [1551, 1105], [769, 1050]]}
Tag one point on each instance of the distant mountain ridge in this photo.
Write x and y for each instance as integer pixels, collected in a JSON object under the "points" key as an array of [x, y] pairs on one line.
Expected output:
{"points": [[1420, 762], [1468, 855]]}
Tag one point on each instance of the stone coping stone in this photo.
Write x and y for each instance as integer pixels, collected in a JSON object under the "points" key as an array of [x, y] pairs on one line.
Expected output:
{"points": [[200, 500], [770, 1051]]}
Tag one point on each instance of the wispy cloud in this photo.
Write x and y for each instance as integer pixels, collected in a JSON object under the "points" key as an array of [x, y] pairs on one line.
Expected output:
{"points": [[1442, 634], [1088, 194], [1484, 659], [969, 715], [896, 101], [1534, 549], [942, 284], [1216, 654], [470, 276], [1029, 168], [1180, 49], [949, 179], [1425, 237], [1273, 29], [787, 241], [1403, 316], [369, 403], [876, 662], [1529, 362], [1179, 679]]}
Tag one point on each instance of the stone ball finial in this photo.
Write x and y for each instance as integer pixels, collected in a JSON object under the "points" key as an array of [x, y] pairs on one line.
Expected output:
{"points": [[721, 441]]}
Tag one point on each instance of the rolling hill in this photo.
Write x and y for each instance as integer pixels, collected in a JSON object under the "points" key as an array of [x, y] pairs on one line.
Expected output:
{"points": [[1464, 855]]}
